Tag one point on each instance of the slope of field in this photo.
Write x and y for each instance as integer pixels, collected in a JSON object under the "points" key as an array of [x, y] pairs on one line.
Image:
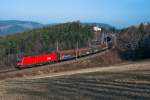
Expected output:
{"points": [[101, 59], [126, 82]]}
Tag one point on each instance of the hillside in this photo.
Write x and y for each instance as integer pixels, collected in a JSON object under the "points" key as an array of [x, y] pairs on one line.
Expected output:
{"points": [[8, 27], [14, 26], [40, 41], [134, 42]]}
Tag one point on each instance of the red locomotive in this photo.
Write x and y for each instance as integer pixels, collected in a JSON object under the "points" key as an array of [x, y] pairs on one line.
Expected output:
{"points": [[25, 62]]}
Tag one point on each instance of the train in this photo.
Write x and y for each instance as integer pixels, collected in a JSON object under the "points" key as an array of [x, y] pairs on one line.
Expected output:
{"points": [[63, 55]]}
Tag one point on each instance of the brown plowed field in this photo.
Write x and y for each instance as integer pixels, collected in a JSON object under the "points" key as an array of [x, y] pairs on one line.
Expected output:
{"points": [[122, 82]]}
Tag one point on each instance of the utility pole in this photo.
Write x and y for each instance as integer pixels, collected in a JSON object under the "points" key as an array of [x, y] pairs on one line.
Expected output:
{"points": [[8, 56], [89, 43], [115, 40], [57, 48], [77, 50], [105, 37]]}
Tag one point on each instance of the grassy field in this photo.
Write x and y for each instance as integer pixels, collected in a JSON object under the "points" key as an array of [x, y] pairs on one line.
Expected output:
{"points": [[108, 85]]}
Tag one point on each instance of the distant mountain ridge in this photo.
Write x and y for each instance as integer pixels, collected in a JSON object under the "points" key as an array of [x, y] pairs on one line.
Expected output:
{"points": [[15, 26]]}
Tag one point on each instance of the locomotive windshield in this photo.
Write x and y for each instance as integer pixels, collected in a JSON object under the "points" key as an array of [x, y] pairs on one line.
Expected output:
{"points": [[18, 60]]}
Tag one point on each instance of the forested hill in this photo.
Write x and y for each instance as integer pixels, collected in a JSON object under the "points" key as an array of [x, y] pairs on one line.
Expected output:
{"points": [[10, 27], [134, 42], [44, 40]]}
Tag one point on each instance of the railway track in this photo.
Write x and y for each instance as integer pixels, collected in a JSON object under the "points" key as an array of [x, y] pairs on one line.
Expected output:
{"points": [[57, 63], [8, 70]]}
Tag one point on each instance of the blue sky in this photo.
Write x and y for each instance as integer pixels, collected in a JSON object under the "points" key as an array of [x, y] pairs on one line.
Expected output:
{"points": [[120, 13]]}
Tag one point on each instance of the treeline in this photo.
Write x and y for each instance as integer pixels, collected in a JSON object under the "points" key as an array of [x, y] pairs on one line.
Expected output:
{"points": [[40, 41], [133, 43]]}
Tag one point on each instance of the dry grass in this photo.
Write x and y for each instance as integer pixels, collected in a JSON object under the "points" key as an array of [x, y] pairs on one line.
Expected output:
{"points": [[129, 82]]}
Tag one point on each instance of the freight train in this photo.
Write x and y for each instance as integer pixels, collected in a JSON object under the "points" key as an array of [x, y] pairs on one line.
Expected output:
{"points": [[30, 61]]}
